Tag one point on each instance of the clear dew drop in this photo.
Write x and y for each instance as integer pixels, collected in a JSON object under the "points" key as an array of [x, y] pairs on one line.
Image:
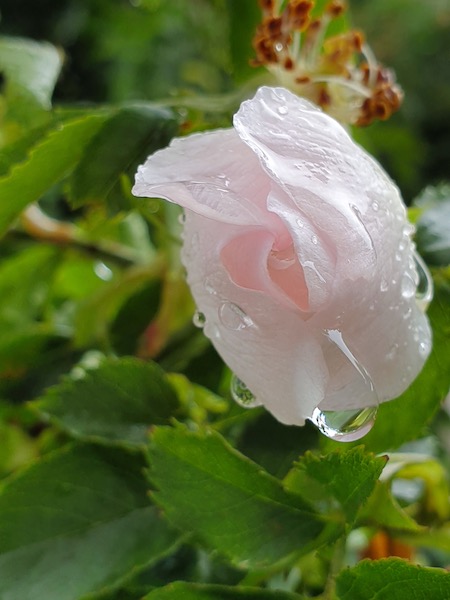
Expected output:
{"points": [[283, 110], [409, 230], [351, 424], [392, 352], [182, 218], [233, 317], [424, 291], [314, 240], [199, 319], [345, 425], [384, 286], [209, 286], [375, 206], [408, 286], [241, 394], [424, 348], [360, 218], [102, 271]]}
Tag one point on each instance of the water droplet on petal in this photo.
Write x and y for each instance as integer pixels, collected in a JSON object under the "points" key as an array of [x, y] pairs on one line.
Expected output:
{"points": [[360, 218], [182, 218], [409, 230], [424, 291], [308, 264], [345, 425], [199, 319], [279, 47], [314, 240], [242, 395], [375, 206], [408, 286], [424, 349], [209, 286], [233, 317], [384, 286], [392, 352], [356, 382]]}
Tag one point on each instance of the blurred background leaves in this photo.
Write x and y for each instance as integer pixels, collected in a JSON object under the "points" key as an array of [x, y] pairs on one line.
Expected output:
{"points": [[89, 276]]}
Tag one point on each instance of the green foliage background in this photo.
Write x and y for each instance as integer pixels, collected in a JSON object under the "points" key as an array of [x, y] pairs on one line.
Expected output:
{"points": [[125, 470]]}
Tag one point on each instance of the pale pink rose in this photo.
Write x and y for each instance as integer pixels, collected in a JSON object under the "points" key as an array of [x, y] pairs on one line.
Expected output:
{"points": [[298, 254]]}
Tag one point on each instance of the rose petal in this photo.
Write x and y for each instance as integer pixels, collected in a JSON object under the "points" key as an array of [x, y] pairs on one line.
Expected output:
{"points": [[221, 179], [298, 252]]}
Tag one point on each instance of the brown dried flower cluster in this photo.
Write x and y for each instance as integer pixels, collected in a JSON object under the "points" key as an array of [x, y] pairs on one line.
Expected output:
{"points": [[337, 72]]}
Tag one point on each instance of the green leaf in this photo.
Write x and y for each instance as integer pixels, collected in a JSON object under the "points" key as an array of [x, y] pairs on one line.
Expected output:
{"points": [[348, 477], [406, 417], [124, 142], [98, 311], [433, 231], [48, 162], [392, 579], [192, 591], [75, 522], [208, 488], [31, 68], [134, 316], [117, 402], [17, 151], [287, 443], [383, 511], [24, 283]]}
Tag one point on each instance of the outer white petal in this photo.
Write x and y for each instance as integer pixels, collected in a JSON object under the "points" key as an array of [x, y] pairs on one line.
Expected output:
{"points": [[326, 186], [274, 352], [353, 332], [211, 173]]}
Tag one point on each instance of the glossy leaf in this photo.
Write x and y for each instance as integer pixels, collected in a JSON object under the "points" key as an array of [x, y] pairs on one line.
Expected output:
{"points": [[75, 522], [49, 162], [208, 488], [124, 142], [348, 477], [117, 402], [392, 579]]}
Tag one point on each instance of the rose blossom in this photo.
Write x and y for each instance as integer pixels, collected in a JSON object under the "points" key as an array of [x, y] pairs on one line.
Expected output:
{"points": [[298, 255]]}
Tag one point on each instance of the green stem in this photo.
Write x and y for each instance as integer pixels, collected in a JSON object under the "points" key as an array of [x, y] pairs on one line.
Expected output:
{"points": [[336, 564]]}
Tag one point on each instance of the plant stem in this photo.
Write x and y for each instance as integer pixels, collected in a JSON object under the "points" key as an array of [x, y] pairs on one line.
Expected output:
{"points": [[336, 564], [37, 224]]}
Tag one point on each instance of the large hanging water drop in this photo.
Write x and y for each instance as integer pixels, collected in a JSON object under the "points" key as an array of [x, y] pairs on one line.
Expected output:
{"points": [[354, 381], [242, 395], [345, 425], [424, 290]]}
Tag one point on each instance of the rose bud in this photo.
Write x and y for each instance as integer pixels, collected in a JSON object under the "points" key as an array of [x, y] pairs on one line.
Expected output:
{"points": [[298, 255]]}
